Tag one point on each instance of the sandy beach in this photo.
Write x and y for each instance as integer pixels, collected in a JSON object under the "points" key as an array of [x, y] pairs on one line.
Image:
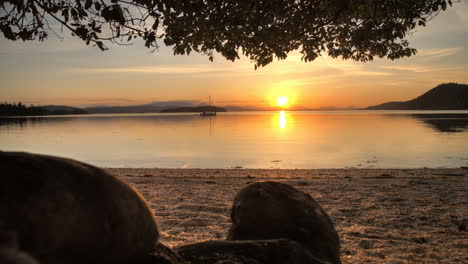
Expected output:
{"points": [[381, 215]]}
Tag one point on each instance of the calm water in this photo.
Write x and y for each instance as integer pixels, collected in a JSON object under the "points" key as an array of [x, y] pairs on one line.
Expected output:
{"points": [[361, 139]]}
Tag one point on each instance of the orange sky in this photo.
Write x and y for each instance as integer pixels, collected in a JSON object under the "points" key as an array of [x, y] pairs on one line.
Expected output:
{"points": [[68, 72]]}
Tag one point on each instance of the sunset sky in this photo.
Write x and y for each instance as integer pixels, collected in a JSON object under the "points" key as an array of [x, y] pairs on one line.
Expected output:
{"points": [[68, 72]]}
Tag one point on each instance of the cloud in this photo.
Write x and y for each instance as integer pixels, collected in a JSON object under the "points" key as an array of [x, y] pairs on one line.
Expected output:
{"points": [[422, 69], [412, 68], [295, 82], [371, 73], [293, 65], [52, 46], [437, 53], [156, 69], [461, 9]]}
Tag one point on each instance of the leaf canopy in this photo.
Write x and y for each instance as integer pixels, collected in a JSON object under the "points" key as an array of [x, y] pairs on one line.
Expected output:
{"points": [[259, 29]]}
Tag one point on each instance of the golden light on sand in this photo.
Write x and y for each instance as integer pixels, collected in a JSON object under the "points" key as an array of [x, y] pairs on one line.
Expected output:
{"points": [[282, 101]]}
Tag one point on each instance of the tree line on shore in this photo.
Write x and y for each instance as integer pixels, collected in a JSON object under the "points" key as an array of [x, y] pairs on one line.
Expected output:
{"points": [[20, 109]]}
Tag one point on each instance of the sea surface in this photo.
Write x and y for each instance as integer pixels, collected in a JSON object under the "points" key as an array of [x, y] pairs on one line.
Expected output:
{"points": [[312, 139]]}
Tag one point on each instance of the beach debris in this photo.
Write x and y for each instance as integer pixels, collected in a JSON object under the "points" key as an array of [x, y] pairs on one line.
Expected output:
{"points": [[273, 210], [65, 211], [276, 251]]}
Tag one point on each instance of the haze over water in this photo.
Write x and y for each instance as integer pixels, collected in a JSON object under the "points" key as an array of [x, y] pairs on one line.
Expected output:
{"points": [[335, 139]]}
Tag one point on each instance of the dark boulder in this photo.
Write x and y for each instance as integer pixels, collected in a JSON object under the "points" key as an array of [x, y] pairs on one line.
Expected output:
{"points": [[161, 255], [9, 251], [66, 211], [278, 251], [273, 210]]}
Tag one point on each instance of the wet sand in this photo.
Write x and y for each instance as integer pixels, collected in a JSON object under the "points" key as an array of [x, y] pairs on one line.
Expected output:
{"points": [[381, 215]]}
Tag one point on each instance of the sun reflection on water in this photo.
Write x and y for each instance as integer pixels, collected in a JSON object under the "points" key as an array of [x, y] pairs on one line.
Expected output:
{"points": [[282, 119], [334, 139]]}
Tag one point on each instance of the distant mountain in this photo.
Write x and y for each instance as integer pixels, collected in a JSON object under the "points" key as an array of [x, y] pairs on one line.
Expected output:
{"points": [[64, 110], [447, 96], [159, 106], [124, 109], [240, 108], [194, 109], [154, 107]]}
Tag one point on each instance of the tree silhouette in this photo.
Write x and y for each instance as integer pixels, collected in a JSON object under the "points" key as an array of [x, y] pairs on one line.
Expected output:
{"points": [[259, 29], [20, 109]]}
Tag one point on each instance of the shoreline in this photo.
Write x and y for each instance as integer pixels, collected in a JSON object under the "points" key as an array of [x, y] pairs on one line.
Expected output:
{"points": [[381, 215], [286, 173]]}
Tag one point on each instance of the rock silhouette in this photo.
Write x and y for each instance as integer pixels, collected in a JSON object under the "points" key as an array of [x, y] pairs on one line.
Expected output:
{"points": [[278, 251], [273, 210], [56, 210], [9, 251], [66, 211], [161, 255]]}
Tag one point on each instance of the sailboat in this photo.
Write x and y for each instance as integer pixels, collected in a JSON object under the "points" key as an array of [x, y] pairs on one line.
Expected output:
{"points": [[208, 113]]}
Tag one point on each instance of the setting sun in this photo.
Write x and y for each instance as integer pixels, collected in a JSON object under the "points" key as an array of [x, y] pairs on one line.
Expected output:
{"points": [[282, 101]]}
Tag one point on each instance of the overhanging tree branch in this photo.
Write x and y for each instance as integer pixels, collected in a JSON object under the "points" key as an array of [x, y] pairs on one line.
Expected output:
{"points": [[259, 29]]}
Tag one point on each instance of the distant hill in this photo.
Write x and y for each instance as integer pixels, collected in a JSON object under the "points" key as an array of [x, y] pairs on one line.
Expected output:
{"points": [[123, 109], [64, 110], [174, 105], [154, 107], [194, 109], [447, 96]]}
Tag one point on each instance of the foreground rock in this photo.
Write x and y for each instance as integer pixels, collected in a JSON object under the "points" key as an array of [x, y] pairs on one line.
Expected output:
{"points": [[272, 210], [66, 211], [250, 251], [161, 255], [9, 251]]}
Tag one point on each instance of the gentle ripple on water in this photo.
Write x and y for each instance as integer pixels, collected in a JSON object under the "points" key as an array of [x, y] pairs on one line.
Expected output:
{"points": [[325, 139]]}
